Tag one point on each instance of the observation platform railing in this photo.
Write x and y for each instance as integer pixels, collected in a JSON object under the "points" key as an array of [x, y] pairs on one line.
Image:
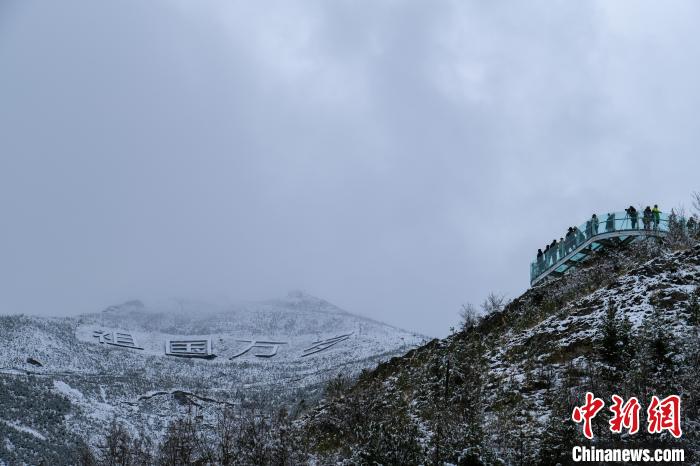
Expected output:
{"points": [[612, 228]]}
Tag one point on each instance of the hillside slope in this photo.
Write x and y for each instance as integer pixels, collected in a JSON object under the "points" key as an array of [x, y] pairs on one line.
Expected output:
{"points": [[279, 350], [503, 391]]}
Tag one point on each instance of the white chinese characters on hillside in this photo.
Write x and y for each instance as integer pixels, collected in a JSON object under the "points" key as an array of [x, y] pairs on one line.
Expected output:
{"points": [[195, 348], [190, 347], [322, 345], [270, 347], [116, 338]]}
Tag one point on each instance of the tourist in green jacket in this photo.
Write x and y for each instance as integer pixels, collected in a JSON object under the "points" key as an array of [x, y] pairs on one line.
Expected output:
{"points": [[656, 212]]}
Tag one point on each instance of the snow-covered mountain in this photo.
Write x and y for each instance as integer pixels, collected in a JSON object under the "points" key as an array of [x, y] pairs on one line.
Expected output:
{"points": [[144, 363], [502, 391]]}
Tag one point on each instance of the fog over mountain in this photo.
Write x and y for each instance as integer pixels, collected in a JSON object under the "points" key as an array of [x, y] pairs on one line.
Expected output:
{"points": [[395, 158]]}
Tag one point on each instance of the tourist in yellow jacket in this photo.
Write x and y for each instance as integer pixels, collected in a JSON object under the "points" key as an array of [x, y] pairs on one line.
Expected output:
{"points": [[656, 212]]}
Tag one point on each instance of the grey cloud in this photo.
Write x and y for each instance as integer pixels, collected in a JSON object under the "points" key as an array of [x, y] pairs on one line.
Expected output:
{"points": [[395, 158]]}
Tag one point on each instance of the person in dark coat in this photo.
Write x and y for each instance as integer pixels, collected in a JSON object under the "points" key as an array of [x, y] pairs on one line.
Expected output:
{"points": [[562, 248], [540, 261], [610, 222], [595, 223], [632, 214], [569, 240], [646, 218], [554, 250]]}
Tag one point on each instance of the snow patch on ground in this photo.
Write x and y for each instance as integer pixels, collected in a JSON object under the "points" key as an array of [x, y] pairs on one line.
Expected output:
{"points": [[67, 390], [22, 428]]}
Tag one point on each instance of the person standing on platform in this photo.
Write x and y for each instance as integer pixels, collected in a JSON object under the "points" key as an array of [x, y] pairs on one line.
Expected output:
{"points": [[569, 240], [646, 218], [610, 222], [656, 213], [632, 214], [595, 223], [692, 227], [562, 249]]}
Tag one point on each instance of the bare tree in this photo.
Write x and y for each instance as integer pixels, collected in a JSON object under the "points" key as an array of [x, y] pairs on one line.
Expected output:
{"points": [[181, 445], [85, 456], [493, 303], [696, 202], [469, 315], [226, 432], [116, 450], [337, 386], [252, 434], [678, 237]]}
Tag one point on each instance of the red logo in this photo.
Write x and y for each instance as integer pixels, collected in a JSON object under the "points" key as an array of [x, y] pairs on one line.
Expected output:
{"points": [[624, 415], [661, 415], [587, 412], [665, 415]]}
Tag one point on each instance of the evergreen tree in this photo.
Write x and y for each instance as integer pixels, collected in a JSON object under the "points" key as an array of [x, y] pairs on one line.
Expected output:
{"points": [[615, 348], [694, 307], [560, 435], [653, 363], [609, 348]]}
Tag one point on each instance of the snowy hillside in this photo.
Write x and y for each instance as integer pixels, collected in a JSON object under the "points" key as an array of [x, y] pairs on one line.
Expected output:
{"points": [[144, 363], [499, 391], [502, 391]]}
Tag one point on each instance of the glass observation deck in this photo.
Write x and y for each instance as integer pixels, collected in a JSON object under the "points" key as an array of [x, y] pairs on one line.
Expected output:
{"points": [[610, 228]]}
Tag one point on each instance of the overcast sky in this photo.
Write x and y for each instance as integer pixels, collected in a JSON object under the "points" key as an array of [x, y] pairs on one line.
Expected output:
{"points": [[396, 158]]}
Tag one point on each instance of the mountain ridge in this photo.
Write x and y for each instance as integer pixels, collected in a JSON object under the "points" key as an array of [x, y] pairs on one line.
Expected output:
{"points": [[115, 364]]}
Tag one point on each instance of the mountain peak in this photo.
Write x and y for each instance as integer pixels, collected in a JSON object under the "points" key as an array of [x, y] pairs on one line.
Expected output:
{"points": [[301, 295], [131, 305]]}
